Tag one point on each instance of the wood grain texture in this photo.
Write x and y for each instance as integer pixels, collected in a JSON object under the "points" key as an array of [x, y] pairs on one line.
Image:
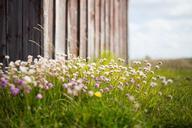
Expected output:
{"points": [[32, 33], [60, 32], [83, 29], [121, 25], [3, 30], [112, 45], [48, 6], [80, 27], [107, 25], [72, 27], [102, 31], [14, 30], [124, 31], [97, 27], [91, 27], [116, 27], [127, 31]]}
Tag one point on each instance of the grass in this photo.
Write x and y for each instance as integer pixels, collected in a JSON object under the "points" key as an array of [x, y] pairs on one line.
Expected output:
{"points": [[177, 113], [126, 100]]}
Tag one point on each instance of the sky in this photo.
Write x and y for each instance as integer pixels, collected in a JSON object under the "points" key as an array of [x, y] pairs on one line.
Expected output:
{"points": [[160, 29]]}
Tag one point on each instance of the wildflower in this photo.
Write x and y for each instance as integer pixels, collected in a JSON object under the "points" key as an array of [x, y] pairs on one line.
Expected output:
{"points": [[79, 81], [164, 82], [31, 71], [157, 67], [132, 81], [11, 64], [20, 82], [14, 91], [90, 93], [7, 57], [69, 91], [92, 76], [136, 105], [88, 58], [148, 64], [138, 86], [101, 90], [65, 85], [97, 85], [160, 63], [46, 87], [4, 82], [162, 78], [146, 69], [160, 93], [111, 87], [106, 89], [144, 82], [98, 94], [27, 89], [38, 56], [74, 92], [137, 62], [77, 88], [23, 69], [120, 87], [130, 97], [39, 96], [27, 79], [154, 78], [50, 85], [170, 81], [30, 59], [153, 84], [170, 97]]}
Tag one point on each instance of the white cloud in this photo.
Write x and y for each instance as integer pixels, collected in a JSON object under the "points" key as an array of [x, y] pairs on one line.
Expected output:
{"points": [[160, 34]]}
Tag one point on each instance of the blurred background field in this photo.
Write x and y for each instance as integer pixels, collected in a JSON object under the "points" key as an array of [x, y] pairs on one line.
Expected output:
{"points": [[180, 114]]}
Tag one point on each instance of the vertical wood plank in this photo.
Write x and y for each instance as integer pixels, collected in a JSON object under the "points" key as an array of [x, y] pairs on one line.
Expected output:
{"points": [[91, 27], [107, 31], [26, 29], [127, 31], [41, 26], [112, 48], [32, 33], [3, 29], [116, 27], [35, 13], [123, 30], [72, 27], [14, 21], [97, 27], [102, 31], [121, 25], [60, 36], [83, 29], [48, 6]]}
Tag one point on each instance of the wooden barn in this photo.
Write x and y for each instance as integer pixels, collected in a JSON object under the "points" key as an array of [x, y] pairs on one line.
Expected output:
{"points": [[79, 27]]}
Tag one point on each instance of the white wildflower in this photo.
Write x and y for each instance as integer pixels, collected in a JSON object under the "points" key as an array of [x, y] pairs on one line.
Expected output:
{"points": [[27, 79], [90, 93]]}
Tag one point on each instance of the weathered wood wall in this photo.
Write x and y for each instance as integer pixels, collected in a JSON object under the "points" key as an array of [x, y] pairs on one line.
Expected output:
{"points": [[79, 27], [20, 28], [89, 27]]}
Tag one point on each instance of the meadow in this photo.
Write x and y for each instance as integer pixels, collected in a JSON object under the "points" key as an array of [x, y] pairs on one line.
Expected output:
{"points": [[104, 93]]}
